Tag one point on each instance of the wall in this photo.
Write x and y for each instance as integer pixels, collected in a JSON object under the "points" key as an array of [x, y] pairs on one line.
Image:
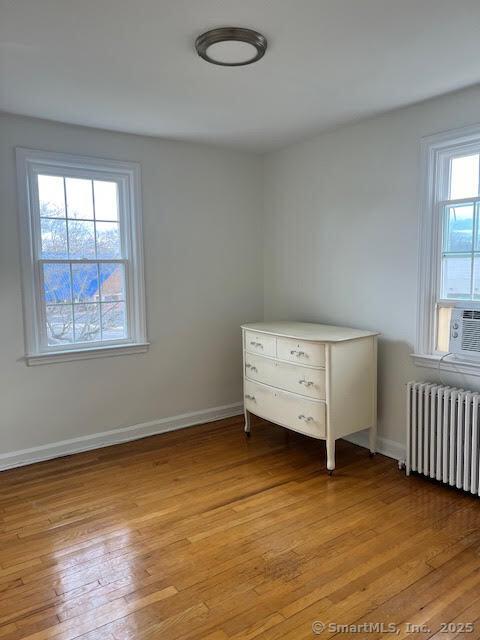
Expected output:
{"points": [[341, 236], [340, 245], [201, 208]]}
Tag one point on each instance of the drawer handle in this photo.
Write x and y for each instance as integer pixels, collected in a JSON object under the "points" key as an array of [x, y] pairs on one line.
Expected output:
{"points": [[298, 353], [307, 383], [251, 366], [249, 397], [256, 344], [306, 418]]}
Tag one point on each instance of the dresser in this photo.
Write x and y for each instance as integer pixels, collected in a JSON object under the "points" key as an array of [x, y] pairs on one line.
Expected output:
{"points": [[316, 379]]}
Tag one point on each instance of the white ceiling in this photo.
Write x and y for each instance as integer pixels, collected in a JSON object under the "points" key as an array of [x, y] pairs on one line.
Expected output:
{"points": [[130, 65]]}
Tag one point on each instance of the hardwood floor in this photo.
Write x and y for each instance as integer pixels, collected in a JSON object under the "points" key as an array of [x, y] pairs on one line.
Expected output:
{"points": [[202, 534]]}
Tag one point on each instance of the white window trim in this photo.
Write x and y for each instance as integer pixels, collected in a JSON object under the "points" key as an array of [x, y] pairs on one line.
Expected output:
{"points": [[29, 163], [433, 152]]}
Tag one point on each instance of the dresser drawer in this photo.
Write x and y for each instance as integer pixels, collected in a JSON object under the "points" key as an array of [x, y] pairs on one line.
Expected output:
{"points": [[309, 353], [300, 414], [291, 377], [262, 343]]}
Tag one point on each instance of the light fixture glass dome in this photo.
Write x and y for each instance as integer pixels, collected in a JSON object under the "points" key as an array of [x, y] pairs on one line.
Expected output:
{"points": [[231, 52], [231, 46]]}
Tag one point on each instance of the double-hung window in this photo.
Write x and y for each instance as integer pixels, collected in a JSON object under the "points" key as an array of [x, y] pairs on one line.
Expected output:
{"points": [[450, 243], [82, 258]]}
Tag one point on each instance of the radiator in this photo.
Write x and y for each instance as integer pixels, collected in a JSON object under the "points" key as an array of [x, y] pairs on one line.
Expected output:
{"points": [[443, 434]]}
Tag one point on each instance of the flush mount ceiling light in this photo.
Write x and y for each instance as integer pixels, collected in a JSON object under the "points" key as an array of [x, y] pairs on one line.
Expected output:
{"points": [[231, 46]]}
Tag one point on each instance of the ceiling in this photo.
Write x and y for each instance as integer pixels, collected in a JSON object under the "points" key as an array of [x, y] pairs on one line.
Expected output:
{"points": [[130, 65]]}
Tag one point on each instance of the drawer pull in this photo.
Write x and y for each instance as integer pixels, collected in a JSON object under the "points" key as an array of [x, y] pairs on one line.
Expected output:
{"points": [[249, 397], [306, 418], [307, 383], [294, 352], [251, 366], [256, 344]]}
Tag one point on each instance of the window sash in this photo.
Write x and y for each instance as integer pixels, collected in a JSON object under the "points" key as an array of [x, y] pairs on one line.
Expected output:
{"points": [[127, 177], [473, 253], [123, 214], [122, 222], [42, 305], [441, 165]]}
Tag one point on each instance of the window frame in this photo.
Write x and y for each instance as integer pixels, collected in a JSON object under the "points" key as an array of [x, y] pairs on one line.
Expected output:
{"points": [[436, 153], [32, 162]]}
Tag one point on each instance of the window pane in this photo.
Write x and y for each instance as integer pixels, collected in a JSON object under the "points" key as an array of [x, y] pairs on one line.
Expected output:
{"points": [[51, 196], [56, 281], [113, 321], [79, 198], [456, 277], [112, 281], [54, 238], [459, 228], [476, 278], [59, 324], [477, 225], [85, 283], [87, 322], [464, 177], [108, 240], [106, 200], [81, 239]]}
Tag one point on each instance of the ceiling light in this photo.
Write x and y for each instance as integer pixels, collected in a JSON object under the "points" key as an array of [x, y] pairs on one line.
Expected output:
{"points": [[231, 46]]}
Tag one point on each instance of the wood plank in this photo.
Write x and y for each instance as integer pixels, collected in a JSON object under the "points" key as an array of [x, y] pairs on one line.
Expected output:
{"points": [[202, 534]]}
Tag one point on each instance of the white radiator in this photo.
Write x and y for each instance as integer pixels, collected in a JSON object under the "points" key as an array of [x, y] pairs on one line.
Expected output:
{"points": [[443, 434]]}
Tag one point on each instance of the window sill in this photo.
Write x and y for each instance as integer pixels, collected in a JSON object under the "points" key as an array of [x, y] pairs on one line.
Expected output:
{"points": [[86, 354], [447, 363]]}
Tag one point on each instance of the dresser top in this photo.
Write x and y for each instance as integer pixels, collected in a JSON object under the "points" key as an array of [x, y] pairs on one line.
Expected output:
{"points": [[308, 331]]}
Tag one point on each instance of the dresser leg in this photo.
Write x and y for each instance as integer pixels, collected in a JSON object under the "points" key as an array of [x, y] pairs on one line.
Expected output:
{"points": [[330, 455], [372, 434], [248, 424], [372, 440]]}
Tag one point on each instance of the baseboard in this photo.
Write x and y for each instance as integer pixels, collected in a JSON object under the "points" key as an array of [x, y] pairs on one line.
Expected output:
{"points": [[388, 448], [116, 436]]}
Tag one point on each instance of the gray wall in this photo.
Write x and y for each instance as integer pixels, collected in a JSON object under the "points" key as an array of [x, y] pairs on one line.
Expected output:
{"points": [[341, 235], [203, 264]]}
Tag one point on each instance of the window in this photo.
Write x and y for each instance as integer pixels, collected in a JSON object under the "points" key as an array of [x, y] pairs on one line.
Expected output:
{"points": [[450, 242], [81, 239]]}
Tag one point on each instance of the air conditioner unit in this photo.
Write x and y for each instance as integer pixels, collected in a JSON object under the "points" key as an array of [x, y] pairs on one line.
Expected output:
{"points": [[465, 332]]}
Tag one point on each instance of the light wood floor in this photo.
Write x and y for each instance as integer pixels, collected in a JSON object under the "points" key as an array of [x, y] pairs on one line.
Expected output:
{"points": [[202, 534]]}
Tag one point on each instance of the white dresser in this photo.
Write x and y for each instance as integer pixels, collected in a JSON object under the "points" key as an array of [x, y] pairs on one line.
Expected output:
{"points": [[316, 379]]}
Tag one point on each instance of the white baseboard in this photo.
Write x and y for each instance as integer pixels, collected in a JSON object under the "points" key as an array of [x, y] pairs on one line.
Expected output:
{"points": [[116, 436], [23, 457], [388, 448]]}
